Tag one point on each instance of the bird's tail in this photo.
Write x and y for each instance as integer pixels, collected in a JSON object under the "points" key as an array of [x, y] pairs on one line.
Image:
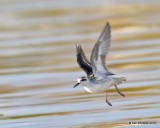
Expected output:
{"points": [[120, 80]]}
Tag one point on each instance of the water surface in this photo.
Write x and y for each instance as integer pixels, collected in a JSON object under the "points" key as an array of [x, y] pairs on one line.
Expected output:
{"points": [[38, 66]]}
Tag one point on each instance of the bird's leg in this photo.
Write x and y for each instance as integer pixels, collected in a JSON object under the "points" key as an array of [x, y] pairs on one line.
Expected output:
{"points": [[119, 91], [108, 101]]}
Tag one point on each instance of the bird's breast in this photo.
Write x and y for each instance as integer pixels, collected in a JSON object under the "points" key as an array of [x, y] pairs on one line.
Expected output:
{"points": [[88, 89]]}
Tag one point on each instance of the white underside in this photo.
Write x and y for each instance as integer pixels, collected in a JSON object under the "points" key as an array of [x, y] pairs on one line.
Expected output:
{"points": [[87, 89], [97, 88]]}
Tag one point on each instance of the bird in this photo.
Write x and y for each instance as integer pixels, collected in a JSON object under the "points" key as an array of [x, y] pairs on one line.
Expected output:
{"points": [[98, 77]]}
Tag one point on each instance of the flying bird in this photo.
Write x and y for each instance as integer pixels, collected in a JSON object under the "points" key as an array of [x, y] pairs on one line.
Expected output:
{"points": [[98, 77]]}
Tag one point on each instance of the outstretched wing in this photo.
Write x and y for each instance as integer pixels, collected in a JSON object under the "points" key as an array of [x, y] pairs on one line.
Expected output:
{"points": [[82, 60], [100, 52]]}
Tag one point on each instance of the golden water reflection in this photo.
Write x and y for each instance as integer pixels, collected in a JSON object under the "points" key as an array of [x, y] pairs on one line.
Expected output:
{"points": [[38, 63]]}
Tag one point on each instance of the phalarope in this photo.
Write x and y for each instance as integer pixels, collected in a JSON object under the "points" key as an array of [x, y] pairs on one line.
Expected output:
{"points": [[99, 78]]}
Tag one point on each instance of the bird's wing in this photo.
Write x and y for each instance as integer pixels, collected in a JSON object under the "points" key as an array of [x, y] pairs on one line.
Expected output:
{"points": [[82, 60], [100, 52]]}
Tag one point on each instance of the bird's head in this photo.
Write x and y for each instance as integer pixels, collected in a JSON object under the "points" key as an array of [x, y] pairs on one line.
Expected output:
{"points": [[80, 80]]}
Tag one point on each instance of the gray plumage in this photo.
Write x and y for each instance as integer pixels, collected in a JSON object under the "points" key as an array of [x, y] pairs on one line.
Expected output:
{"points": [[100, 52], [99, 78]]}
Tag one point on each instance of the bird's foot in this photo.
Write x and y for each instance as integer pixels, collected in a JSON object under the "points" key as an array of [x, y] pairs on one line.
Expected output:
{"points": [[121, 94], [108, 103], [119, 91]]}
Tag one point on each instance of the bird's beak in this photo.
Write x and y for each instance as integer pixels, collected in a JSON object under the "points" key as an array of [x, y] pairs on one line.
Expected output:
{"points": [[76, 85]]}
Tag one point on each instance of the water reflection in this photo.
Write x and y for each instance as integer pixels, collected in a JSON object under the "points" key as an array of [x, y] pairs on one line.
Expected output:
{"points": [[38, 63]]}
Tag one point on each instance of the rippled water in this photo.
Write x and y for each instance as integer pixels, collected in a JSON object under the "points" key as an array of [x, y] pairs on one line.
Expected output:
{"points": [[38, 64]]}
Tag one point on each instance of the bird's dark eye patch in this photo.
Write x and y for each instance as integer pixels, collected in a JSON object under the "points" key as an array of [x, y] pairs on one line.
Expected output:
{"points": [[83, 79]]}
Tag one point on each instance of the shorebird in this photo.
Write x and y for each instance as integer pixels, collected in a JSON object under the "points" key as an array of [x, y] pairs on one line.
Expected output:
{"points": [[98, 77]]}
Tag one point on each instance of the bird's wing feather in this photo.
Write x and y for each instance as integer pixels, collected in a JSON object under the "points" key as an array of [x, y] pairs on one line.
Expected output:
{"points": [[82, 60], [100, 52]]}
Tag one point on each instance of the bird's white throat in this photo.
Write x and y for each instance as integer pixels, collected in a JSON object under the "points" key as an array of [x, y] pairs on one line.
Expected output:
{"points": [[79, 80]]}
